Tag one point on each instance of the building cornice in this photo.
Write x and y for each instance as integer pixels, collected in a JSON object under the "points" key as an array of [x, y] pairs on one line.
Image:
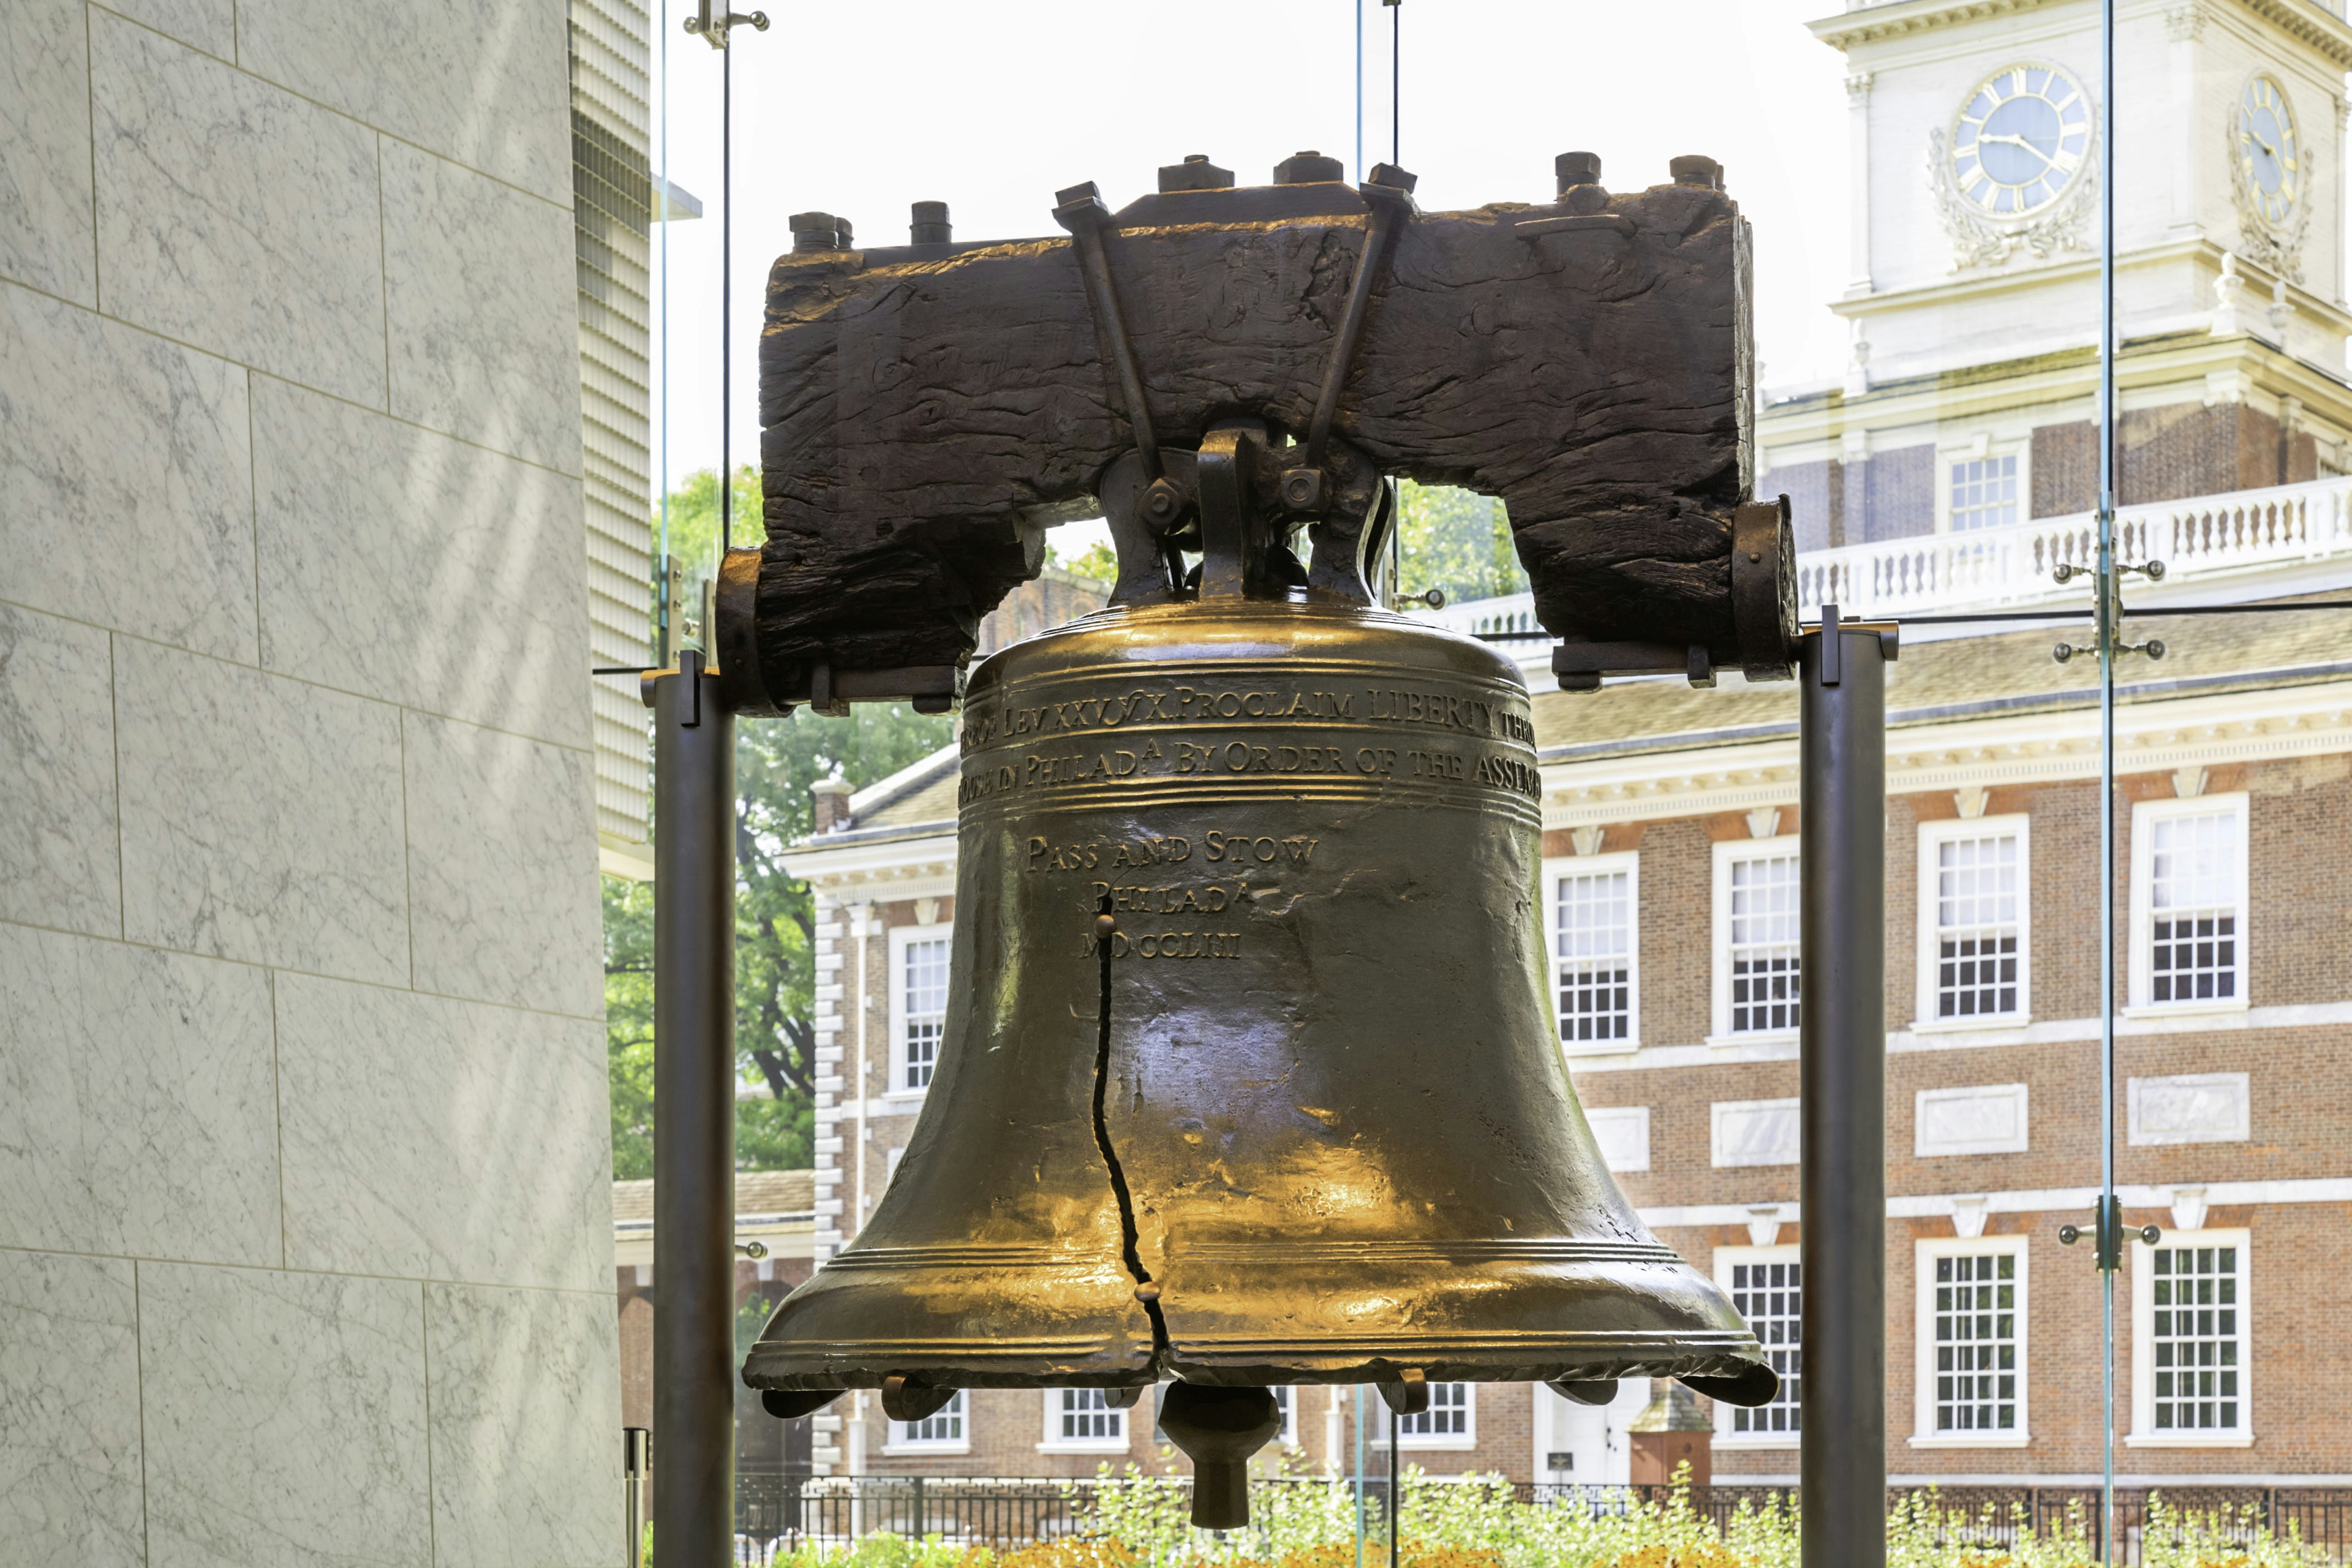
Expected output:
{"points": [[2077, 270], [1875, 24], [2038, 745], [918, 863], [2305, 23], [2187, 363]]}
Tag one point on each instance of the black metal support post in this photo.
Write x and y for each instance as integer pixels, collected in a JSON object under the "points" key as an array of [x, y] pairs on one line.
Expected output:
{"points": [[1841, 815], [694, 1119]]}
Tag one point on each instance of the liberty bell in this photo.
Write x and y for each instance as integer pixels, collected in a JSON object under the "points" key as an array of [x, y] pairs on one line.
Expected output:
{"points": [[1249, 1076]]}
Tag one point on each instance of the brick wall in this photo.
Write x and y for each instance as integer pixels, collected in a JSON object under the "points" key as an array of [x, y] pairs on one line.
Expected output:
{"points": [[1898, 494], [2301, 1112], [2300, 1085], [2166, 454]]}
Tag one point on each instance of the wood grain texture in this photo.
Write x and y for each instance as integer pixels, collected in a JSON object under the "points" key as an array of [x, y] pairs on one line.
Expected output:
{"points": [[927, 412]]}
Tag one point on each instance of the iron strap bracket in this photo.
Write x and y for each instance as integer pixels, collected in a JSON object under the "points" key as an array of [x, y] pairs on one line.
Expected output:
{"points": [[1080, 210], [1387, 191]]}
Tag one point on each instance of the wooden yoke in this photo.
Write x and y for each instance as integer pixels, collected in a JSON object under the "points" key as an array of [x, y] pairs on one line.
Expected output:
{"points": [[930, 411]]}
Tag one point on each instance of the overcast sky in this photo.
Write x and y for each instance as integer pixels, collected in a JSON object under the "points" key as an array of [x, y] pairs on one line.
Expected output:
{"points": [[862, 109]]}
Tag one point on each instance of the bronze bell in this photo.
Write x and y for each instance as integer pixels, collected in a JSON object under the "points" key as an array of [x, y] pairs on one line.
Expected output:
{"points": [[1250, 1075]]}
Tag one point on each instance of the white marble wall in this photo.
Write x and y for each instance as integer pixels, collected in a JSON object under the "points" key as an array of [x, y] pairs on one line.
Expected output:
{"points": [[304, 1180]]}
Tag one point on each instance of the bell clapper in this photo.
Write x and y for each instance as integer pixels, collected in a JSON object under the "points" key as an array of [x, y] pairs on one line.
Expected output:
{"points": [[1218, 1430], [905, 1399], [1408, 1393]]}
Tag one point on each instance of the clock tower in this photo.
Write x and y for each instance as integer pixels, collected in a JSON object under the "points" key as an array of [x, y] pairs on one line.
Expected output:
{"points": [[1975, 135]]}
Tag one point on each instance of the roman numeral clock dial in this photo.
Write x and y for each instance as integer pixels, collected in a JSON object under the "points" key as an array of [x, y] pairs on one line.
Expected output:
{"points": [[2267, 153], [2020, 139]]}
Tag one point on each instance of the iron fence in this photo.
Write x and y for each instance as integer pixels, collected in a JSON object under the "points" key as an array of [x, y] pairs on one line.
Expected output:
{"points": [[776, 1511]]}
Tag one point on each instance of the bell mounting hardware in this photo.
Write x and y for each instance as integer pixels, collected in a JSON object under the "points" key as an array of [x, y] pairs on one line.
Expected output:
{"points": [[930, 410]]}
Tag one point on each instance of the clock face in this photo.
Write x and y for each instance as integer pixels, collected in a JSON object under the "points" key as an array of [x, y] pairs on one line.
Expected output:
{"points": [[2268, 156], [2021, 139]]}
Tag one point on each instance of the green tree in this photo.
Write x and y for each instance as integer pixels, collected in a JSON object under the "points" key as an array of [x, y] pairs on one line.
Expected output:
{"points": [[1096, 561], [1458, 541], [776, 761]]}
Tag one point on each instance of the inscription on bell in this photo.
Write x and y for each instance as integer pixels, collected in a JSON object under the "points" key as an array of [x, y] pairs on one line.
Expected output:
{"points": [[1171, 944], [1012, 718], [1047, 856]]}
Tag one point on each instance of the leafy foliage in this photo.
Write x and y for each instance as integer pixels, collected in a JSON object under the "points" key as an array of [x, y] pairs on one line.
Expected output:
{"points": [[1097, 561], [1143, 1522], [694, 518], [776, 761], [1458, 541]]}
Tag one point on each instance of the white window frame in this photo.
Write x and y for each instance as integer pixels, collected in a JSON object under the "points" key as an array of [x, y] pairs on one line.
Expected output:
{"points": [[1727, 851], [1054, 1442], [1285, 1399], [1933, 837], [1725, 1416], [1556, 868], [2144, 1433], [1949, 458], [900, 1440], [895, 987], [1926, 1251], [1440, 1441], [2145, 813]]}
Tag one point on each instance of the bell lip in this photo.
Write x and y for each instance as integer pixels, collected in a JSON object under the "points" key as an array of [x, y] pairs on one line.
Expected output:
{"points": [[1300, 1366], [1262, 1375]]}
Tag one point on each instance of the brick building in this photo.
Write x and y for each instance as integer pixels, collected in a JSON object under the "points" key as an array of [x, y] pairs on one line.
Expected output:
{"points": [[1669, 882], [772, 1209]]}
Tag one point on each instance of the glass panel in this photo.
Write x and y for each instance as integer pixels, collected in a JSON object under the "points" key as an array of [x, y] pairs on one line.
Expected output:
{"points": [[2192, 896], [1768, 1296], [1984, 490], [1975, 1343], [1976, 927], [1593, 969], [1763, 943], [926, 980], [1448, 1415], [1087, 1416], [2193, 1339], [943, 1425]]}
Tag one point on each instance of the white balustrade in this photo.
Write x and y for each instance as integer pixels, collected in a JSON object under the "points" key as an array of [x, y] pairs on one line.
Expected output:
{"points": [[2200, 537]]}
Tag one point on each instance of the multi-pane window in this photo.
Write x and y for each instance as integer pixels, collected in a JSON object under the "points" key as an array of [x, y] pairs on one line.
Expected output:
{"points": [[1448, 1416], [2195, 1342], [1977, 927], [1762, 949], [1286, 1400], [1593, 962], [2194, 883], [1976, 1326], [1084, 1415], [1984, 493], [943, 1425], [1768, 1294], [923, 981]]}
